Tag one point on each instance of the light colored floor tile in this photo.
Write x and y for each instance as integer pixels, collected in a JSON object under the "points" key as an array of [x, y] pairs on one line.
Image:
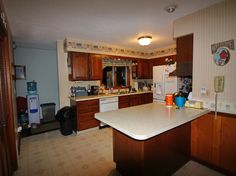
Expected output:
{"points": [[87, 154]]}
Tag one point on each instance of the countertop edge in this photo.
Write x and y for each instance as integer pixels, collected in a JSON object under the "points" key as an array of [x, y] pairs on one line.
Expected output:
{"points": [[158, 132], [93, 97]]}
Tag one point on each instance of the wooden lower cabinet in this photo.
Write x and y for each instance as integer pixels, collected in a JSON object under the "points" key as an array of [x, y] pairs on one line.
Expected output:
{"points": [[147, 98], [134, 100], [227, 155], [160, 155], [202, 138], [124, 101], [85, 111], [213, 141]]}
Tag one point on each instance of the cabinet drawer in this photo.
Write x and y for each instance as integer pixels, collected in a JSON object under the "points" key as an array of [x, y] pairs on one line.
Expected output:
{"points": [[88, 103], [86, 117], [88, 106], [124, 98], [88, 124], [123, 104], [88, 109]]}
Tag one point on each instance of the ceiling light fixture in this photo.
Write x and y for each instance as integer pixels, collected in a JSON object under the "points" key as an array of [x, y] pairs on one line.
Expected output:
{"points": [[144, 40], [171, 8]]}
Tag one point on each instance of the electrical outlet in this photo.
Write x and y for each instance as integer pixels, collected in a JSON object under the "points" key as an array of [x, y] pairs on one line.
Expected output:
{"points": [[203, 90], [227, 107]]}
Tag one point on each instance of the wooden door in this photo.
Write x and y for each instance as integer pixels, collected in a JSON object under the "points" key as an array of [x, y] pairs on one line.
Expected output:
{"points": [[95, 65], [4, 153], [79, 66]]}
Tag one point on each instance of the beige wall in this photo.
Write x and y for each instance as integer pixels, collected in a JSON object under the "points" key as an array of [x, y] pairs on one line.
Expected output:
{"points": [[64, 83], [212, 25]]}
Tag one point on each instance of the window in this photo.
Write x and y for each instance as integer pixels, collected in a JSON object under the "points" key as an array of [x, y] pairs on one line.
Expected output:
{"points": [[115, 76]]}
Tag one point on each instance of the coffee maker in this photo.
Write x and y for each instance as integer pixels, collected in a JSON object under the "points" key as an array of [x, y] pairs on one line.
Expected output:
{"points": [[94, 90]]}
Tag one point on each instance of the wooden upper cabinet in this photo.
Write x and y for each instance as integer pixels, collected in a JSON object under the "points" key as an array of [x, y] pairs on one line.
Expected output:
{"points": [[95, 65], [85, 66], [144, 69], [184, 48], [79, 66]]}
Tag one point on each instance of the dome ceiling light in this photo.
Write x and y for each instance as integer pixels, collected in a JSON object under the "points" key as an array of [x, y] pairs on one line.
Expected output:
{"points": [[171, 8], [144, 40]]}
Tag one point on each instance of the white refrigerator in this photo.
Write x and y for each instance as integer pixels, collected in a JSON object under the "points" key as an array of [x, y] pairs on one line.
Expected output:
{"points": [[162, 82]]}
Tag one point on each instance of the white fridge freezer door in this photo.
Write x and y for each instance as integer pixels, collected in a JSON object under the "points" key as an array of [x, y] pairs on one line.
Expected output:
{"points": [[158, 72]]}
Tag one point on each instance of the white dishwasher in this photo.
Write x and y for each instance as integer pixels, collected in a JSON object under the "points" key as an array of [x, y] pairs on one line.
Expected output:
{"points": [[107, 104]]}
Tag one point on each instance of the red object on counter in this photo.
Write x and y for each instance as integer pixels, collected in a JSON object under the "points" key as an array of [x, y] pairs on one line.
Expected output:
{"points": [[169, 99]]}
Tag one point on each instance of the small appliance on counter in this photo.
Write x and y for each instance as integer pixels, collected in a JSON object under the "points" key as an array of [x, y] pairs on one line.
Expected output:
{"points": [[78, 91], [94, 90], [194, 104]]}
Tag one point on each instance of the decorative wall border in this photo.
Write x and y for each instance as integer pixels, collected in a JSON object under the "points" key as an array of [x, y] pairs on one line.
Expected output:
{"points": [[101, 48]]}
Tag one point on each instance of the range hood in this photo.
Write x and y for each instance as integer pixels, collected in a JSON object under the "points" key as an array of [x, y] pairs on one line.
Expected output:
{"points": [[183, 69]]}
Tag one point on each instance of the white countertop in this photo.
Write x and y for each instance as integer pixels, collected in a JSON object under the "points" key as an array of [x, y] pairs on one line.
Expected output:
{"points": [[145, 121], [92, 97]]}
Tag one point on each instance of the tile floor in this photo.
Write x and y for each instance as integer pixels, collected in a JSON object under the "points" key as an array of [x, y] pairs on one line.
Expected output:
{"points": [[87, 154]]}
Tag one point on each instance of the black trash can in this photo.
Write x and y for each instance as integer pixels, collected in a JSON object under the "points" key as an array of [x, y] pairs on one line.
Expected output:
{"points": [[66, 118]]}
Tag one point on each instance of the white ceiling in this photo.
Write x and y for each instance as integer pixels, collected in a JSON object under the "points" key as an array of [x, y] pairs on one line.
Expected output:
{"points": [[39, 23]]}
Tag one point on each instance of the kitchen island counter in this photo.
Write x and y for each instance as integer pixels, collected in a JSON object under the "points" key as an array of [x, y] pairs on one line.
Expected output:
{"points": [[150, 139], [145, 121]]}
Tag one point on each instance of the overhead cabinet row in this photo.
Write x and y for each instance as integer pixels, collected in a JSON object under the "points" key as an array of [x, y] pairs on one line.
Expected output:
{"points": [[88, 66]]}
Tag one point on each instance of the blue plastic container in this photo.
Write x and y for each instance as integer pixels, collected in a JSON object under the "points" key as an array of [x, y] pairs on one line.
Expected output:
{"points": [[180, 101], [32, 88]]}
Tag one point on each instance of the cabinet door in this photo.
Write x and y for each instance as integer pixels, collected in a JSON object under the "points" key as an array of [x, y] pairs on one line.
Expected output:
{"points": [[228, 144], [124, 101], [95, 62], [79, 66], [144, 69], [202, 138], [147, 98], [135, 100], [140, 69], [184, 48], [150, 66]]}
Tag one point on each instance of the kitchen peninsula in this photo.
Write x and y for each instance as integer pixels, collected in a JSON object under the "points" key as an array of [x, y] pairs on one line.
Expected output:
{"points": [[150, 139]]}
